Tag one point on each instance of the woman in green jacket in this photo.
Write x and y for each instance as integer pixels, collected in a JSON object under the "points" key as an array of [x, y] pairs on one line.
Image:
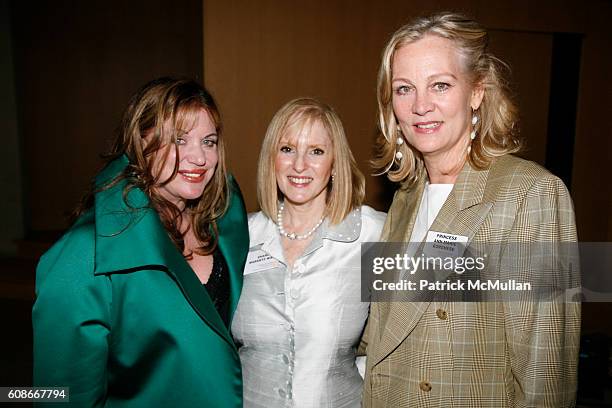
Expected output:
{"points": [[134, 302]]}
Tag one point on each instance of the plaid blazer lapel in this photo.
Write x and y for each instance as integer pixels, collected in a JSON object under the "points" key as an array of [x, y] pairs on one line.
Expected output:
{"points": [[462, 214], [466, 207], [402, 214], [398, 228]]}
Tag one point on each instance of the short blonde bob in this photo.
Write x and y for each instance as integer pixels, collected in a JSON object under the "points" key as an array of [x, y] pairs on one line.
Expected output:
{"points": [[496, 128], [347, 190]]}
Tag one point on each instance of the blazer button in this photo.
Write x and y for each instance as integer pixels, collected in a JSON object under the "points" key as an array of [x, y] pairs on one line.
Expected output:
{"points": [[441, 313], [425, 386]]}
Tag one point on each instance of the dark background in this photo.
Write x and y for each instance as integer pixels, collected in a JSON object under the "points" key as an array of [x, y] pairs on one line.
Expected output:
{"points": [[68, 69]]}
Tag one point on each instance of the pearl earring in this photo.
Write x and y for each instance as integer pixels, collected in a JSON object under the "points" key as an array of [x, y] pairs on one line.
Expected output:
{"points": [[400, 141], [474, 122], [398, 156]]}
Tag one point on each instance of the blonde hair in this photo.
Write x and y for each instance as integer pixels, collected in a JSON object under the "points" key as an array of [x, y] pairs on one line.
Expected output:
{"points": [[345, 192], [496, 128]]}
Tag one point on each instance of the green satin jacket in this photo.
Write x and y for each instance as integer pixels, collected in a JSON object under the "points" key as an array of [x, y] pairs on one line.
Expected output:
{"points": [[122, 319]]}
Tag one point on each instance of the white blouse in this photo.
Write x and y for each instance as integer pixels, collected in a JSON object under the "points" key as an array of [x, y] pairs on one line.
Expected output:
{"points": [[434, 197], [298, 327]]}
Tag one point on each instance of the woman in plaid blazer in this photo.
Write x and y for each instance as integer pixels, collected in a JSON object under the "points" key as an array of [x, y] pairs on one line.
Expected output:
{"points": [[448, 126]]}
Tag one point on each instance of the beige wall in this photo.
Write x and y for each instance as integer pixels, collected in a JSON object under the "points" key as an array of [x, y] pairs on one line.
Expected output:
{"points": [[258, 55]]}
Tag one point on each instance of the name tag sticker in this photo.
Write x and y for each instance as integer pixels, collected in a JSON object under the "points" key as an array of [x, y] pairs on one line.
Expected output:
{"points": [[260, 261], [445, 244]]}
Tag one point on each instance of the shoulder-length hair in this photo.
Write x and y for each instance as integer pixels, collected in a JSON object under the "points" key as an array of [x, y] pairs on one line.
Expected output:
{"points": [[160, 111], [496, 128], [344, 193]]}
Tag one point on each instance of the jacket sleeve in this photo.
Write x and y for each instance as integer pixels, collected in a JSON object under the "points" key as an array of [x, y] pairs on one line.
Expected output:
{"points": [[543, 334], [363, 342], [71, 321]]}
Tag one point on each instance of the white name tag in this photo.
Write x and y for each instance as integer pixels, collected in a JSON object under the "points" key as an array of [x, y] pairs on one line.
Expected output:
{"points": [[445, 244], [260, 261]]}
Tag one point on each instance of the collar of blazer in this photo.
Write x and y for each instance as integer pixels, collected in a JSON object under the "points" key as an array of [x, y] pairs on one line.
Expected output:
{"points": [[463, 212], [130, 238]]}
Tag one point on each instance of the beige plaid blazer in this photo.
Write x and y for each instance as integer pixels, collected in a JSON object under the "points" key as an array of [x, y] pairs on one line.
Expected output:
{"points": [[496, 354]]}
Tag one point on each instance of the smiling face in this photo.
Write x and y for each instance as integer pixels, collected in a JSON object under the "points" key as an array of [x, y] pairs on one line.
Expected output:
{"points": [[433, 98], [303, 164], [197, 160]]}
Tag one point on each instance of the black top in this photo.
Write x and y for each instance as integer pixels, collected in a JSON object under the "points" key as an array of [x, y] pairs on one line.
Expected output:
{"points": [[218, 286]]}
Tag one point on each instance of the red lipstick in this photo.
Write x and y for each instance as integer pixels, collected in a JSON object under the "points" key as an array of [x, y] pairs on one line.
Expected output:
{"points": [[193, 176]]}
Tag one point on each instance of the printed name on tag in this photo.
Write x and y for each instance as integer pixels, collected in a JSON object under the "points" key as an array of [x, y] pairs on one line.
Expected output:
{"points": [[446, 244], [260, 261]]}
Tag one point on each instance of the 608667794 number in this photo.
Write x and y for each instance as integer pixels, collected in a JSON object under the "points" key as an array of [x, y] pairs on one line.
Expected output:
{"points": [[32, 394]]}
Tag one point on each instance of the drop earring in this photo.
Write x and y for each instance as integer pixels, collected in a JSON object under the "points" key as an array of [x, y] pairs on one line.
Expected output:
{"points": [[474, 122], [400, 141], [398, 156]]}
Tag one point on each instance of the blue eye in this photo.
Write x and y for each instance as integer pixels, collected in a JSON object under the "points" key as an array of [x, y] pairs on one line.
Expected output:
{"points": [[402, 90], [180, 141], [441, 86], [209, 142]]}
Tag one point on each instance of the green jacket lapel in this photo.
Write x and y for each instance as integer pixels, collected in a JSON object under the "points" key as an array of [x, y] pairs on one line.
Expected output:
{"points": [[130, 237]]}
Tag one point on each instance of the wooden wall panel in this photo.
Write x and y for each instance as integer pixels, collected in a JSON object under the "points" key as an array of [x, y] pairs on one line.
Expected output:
{"points": [[259, 56], [529, 56]]}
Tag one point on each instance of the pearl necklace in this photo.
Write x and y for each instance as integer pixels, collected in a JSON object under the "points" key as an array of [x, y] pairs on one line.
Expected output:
{"points": [[293, 235]]}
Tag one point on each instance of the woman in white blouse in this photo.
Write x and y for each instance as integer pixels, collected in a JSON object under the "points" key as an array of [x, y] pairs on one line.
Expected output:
{"points": [[300, 315]]}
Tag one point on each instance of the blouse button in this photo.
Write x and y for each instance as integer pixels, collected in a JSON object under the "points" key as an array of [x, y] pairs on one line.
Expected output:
{"points": [[282, 393], [300, 268], [285, 359]]}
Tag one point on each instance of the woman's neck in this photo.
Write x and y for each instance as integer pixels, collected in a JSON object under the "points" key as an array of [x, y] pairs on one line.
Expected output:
{"points": [[444, 168], [301, 217]]}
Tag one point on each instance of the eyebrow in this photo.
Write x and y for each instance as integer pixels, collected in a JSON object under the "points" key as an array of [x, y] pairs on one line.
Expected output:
{"points": [[292, 143], [443, 74], [429, 78], [183, 133]]}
